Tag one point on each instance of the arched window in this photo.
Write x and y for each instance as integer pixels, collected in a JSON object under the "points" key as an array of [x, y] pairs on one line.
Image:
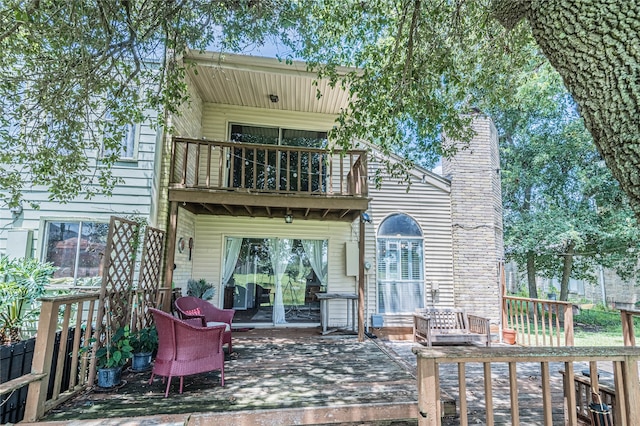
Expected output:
{"points": [[400, 265]]}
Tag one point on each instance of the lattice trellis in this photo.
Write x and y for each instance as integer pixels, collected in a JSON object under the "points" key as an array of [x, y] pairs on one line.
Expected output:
{"points": [[149, 280], [117, 281], [117, 275]]}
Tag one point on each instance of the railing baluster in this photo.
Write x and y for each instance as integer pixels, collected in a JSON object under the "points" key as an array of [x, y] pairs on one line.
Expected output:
{"points": [[254, 184], [208, 175], [62, 349], [570, 394], [243, 165], [557, 325], [488, 392], [536, 308], [76, 345], [185, 162], [196, 179], [546, 394], [462, 386], [513, 393]]}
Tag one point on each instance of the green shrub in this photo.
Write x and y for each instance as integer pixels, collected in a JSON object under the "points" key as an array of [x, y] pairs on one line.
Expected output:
{"points": [[22, 282]]}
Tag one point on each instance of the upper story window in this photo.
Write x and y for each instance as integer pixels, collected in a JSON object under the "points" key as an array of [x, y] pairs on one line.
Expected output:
{"points": [[278, 136], [126, 138], [76, 248]]}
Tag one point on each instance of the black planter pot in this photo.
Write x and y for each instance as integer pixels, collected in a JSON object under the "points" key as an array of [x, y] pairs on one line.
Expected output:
{"points": [[141, 361], [109, 377]]}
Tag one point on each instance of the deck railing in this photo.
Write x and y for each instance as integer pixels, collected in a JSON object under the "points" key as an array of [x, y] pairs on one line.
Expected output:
{"points": [[214, 165], [539, 322], [78, 311], [540, 400]]}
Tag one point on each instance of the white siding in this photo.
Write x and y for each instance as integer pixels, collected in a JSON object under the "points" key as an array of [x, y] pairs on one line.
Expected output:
{"points": [[131, 197], [430, 207], [216, 119]]}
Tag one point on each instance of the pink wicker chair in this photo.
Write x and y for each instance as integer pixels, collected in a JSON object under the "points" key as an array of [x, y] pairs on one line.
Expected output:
{"points": [[192, 307], [185, 349]]}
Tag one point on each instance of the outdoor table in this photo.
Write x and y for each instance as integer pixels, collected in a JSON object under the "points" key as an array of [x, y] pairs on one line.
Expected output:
{"points": [[352, 300]]}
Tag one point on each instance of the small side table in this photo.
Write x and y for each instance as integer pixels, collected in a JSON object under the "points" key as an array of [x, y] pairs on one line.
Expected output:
{"points": [[352, 303]]}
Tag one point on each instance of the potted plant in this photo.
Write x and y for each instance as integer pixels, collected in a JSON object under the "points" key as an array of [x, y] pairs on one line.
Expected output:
{"points": [[113, 356], [200, 289], [143, 342]]}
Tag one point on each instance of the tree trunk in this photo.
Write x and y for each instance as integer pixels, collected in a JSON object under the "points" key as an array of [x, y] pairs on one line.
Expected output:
{"points": [[531, 275], [593, 44], [567, 264]]}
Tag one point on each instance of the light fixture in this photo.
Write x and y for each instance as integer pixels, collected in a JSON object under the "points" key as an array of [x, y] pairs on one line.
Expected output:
{"points": [[288, 218], [16, 210], [365, 217], [274, 98]]}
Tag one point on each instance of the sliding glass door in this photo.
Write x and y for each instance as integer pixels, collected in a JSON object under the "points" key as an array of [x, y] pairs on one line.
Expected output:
{"points": [[275, 280]]}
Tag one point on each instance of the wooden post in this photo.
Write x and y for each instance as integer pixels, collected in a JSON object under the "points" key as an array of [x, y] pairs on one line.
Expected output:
{"points": [[627, 328], [570, 395], [42, 356], [568, 325], [170, 254], [632, 389], [361, 281], [428, 392]]}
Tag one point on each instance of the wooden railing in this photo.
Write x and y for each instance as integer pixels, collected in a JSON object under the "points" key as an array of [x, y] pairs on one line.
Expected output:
{"points": [[538, 322], [628, 332], [243, 166], [78, 311], [518, 387]]}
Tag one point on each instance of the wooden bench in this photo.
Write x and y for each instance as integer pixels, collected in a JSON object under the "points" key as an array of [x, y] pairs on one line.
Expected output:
{"points": [[449, 326]]}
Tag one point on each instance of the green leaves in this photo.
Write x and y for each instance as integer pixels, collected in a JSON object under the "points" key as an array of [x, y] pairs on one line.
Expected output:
{"points": [[22, 282]]}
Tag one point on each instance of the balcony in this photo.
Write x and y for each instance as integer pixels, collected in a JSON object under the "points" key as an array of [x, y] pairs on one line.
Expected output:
{"points": [[243, 179]]}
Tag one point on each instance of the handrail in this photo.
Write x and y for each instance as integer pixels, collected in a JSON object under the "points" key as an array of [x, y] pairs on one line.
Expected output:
{"points": [[79, 310], [537, 322], [430, 361], [240, 166]]}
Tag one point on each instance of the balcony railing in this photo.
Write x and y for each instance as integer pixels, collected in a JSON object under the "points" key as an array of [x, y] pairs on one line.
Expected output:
{"points": [[231, 166]]}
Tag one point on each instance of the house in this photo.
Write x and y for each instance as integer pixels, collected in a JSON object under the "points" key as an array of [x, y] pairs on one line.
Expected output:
{"points": [[254, 202]]}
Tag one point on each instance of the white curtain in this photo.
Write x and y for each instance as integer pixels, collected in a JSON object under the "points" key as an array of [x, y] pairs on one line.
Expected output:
{"points": [[232, 252], [315, 253], [279, 253]]}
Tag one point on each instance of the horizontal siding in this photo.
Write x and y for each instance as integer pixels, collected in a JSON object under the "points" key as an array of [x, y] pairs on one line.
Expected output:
{"points": [[430, 206], [211, 231], [133, 196], [216, 119]]}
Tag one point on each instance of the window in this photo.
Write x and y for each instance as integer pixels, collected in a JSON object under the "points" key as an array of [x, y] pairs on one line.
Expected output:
{"points": [[76, 248], [400, 265], [298, 170], [126, 138]]}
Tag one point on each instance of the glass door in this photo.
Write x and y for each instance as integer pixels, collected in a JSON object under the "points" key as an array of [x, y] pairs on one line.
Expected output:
{"points": [[276, 280]]}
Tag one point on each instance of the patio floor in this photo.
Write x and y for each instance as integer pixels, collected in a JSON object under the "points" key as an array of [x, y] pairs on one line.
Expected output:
{"points": [[303, 375], [298, 376]]}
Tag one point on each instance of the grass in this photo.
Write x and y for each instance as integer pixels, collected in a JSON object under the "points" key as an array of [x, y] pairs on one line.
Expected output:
{"points": [[600, 327], [596, 327]]}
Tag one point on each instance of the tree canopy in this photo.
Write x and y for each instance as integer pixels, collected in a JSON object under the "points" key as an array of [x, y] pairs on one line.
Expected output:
{"points": [[564, 213], [422, 66]]}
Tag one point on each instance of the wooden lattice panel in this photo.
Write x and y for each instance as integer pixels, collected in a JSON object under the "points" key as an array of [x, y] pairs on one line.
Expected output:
{"points": [[149, 279], [117, 275]]}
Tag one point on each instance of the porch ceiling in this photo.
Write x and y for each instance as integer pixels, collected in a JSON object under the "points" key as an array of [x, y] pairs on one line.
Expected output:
{"points": [[332, 208], [248, 81]]}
